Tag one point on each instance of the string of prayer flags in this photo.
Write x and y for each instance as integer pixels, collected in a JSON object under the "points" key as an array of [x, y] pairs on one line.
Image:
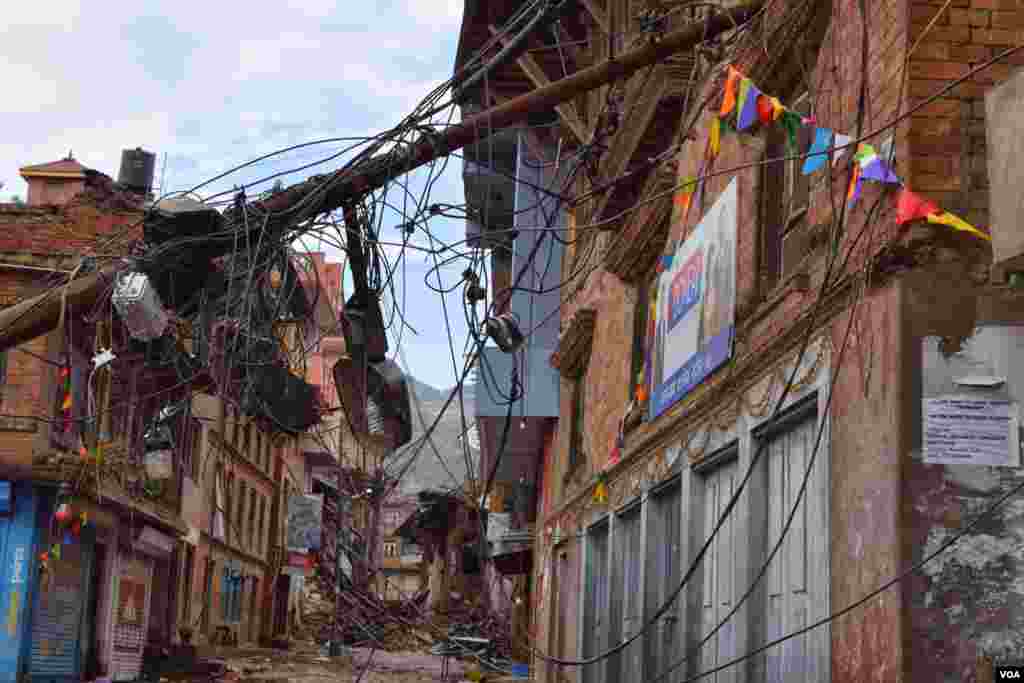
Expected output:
{"points": [[818, 154], [729, 98], [912, 207], [753, 106], [957, 223], [749, 93]]}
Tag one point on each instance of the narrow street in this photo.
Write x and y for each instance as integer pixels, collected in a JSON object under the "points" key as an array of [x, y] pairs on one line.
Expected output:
{"points": [[306, 664]]}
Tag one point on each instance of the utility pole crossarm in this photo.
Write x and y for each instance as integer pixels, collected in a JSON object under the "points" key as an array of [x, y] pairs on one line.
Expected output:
{"points": [[325, 193]]}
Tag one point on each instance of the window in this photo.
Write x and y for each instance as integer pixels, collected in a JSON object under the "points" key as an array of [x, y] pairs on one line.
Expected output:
{"points": [[785, 200], [578, 425], [3, 372], [229, 498], [261, 542], [231, 595], [252, 521], [645, 296], [217, 502], [68, 424], [240, 515], [197, 445], [186, 592]]}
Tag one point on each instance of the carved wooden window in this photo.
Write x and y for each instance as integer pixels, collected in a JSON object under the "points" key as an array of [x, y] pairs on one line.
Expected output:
{"points": [[252, 521], [578, 426], [641, 317], [785, 200]]}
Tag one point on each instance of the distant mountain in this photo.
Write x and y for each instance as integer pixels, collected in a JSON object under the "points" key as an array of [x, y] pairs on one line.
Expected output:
{"points": [[425, 392], [428, 471]]}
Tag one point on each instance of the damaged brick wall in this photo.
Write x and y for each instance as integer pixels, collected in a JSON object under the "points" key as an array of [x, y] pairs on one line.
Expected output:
{"points": [[967, 603]]}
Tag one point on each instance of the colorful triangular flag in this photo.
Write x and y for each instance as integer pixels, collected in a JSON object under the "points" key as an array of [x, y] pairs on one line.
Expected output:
{"points": [[839, 146], [853, 193], [716, 136], [765, 109], [864, 152], [876, 169], [777, 108], [729, 97], [792, 122], [747, 104], [818, 154], [911, 207], [886, 149], [957, 223]]}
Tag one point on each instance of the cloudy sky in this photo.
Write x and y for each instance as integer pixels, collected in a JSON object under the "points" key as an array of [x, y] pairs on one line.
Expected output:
{"points": [[213, 84]]}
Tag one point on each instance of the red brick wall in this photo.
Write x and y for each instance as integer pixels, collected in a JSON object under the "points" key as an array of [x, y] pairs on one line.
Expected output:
{"points": [[947, 140]]}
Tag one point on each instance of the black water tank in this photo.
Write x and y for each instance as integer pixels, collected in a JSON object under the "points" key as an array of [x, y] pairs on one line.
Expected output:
{"points": [[137, 168]]}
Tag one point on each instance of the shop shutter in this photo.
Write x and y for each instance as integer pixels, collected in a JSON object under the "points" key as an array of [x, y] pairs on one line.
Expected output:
{"points": [[131, 616], [17, 576], [59, 607]]}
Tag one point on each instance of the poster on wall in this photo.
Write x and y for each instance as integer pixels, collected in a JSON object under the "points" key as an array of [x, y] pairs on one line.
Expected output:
{"points": [[695, 307], [971, 430], [305, 520]]}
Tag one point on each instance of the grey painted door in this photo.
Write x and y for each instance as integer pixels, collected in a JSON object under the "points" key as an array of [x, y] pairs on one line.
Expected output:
{"points": [[718, 588], [629, 588], [595, 602], [791, 596], [661, 647]]}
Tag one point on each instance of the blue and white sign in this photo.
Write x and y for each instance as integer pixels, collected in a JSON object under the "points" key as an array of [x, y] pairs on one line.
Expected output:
{"points": [[696, 307]]}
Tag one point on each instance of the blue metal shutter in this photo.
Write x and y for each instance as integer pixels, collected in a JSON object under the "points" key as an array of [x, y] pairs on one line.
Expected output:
{"points": [[59, 608], [17, 577]]}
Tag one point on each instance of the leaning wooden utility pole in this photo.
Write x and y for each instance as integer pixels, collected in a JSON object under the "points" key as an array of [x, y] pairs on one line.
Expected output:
{"points": [[322, 194]]}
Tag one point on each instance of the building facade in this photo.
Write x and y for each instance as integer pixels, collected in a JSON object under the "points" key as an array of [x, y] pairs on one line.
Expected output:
{"points": [[742, 455], [87, 538], [402, 573]]}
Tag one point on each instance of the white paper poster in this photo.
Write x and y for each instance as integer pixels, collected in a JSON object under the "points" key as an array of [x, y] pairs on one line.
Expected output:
{"points": [[969, 430]]}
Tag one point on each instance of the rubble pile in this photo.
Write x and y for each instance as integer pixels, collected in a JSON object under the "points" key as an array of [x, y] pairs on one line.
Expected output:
{"points": [[365, 619], [395, 626]]}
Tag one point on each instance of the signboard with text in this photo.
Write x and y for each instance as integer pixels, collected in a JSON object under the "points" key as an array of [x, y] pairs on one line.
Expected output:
{"points": [[971, 430], [695, 307]]}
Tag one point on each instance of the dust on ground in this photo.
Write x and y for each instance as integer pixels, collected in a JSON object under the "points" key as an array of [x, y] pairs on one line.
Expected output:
{"points": [[306, 664]]}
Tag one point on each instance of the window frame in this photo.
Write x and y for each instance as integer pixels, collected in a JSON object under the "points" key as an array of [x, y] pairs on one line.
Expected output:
{"points": [[577, 427]]}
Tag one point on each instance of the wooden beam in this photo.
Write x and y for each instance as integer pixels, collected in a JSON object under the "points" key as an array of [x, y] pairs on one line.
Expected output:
{"points": [[323, 193], [637, 116], [600, 18], [567, 111]]}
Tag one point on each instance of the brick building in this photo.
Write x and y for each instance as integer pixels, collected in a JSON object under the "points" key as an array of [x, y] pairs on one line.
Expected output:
{"points": [[844, 323], [86, 559], [402, 571]]}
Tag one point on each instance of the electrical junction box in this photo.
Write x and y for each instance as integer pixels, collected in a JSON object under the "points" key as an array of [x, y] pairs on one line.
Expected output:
{"points": [[139, 306]]}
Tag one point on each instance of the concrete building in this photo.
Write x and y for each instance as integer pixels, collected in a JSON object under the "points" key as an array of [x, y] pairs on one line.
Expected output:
{"points": [[840, 335]]}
